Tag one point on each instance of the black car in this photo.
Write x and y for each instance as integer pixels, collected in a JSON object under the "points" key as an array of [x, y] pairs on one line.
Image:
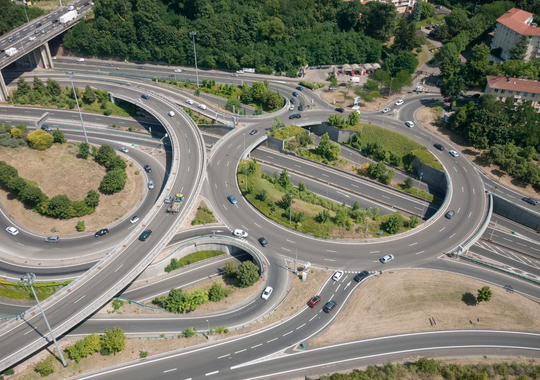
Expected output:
{"points": [[55, 21], [46, 128], [339, 109], [329, 306], [145, 235], [103, 231], [295, 116], [38, 25], [301, 107], [110, 64], [438, 146], [360, 276], [530, 201], [293, 101], [263, 241], [148, 168], [141, 68], [144, 96], [253, 132]]}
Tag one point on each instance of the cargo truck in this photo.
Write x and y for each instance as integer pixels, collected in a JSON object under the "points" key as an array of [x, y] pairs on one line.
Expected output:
{"points": [[71, 15], [11, 51], [174, 207]]}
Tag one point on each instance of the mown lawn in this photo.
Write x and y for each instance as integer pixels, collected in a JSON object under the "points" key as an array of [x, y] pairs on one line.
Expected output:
{"points": [[18, 291], [287, 132]]}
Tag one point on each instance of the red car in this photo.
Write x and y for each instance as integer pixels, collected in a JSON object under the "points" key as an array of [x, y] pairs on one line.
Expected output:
{"points": [[314, 301]]}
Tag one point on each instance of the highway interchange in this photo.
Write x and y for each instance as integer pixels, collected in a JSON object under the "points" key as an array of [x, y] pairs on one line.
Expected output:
{"points": [[425, 248]]}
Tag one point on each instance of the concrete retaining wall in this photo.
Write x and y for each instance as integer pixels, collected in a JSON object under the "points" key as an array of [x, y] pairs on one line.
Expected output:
{"points": [[275, 144], [433, 177], [515, 212], [215, 129], [335, 134]]}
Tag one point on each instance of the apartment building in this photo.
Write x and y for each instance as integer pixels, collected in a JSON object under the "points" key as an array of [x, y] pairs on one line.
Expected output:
{"points": [[510, 27], [520, 89]]}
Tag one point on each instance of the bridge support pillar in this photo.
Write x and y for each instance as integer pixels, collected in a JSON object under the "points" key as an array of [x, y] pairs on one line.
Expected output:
{"points": [[48, 62], [3, 89]]}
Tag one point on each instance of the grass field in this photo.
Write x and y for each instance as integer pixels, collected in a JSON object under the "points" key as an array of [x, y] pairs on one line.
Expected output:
{"points": [[203, 215], [437, 19], [15, 290], [287, 132]]}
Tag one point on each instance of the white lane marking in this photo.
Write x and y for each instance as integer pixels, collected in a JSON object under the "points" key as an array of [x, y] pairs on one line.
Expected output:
{"points": [[271, 340], [312, 318], [420, 252], [338, 287], [211, 373], [29, 331], [462, 189], [345, 195], [169, 370], [96, 243], [20, 244], [465, 169], [290, 241], [119, 268], [258, 345], [507, 239], [227, 163], [352, 184], [523, 245], [80, 299], [511, 196], [329, 250], [470, 214], [257, 225], [229, 145], [329, 260], [384, 196], [535, 249], [452, 235], [269, 157], [237, 352], [298, 166], [224, 207], [325, 175], [224, 356], [375, 251], [458, 210], [455, 169], [299, 327], [286, 249], [410, 245], [238, 146], [441, 230], [244, 227], [218, 162], [473, 191], [287, 333]]}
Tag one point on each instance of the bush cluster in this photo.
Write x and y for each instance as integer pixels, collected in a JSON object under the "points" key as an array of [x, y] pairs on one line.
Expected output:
{"points": [[311, 85], [111, 342]]}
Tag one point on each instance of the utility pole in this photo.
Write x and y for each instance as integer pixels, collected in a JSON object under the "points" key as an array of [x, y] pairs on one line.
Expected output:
{"points": [[70, 75], [243, 134], [290, 208], [493, 230], [424, 205], [28, 279], [391, 81], [295, 261], [195, 53], [418, 186]]}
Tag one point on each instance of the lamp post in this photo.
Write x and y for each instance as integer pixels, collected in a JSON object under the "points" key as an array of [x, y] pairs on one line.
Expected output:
{"points": [[424, 205], [245, 170], [493, 230], [391, 81], [430, 140], [28, 279], [27, 20], [70, 75], [418, 186], [208, 328], [195, 53], [290, 209]]}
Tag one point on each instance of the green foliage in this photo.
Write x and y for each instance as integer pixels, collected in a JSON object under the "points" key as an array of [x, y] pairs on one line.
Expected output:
{"points": [[393, 224], [58, 137], [40, 140], [191, 258], [113, 340], [323, 216], [247, 274], [81, 227], [59, 207], [337, 120], [230, 269], [354, 118], [216, 292], [84, 150], [311, 85], [143, 354], [45, 367], [221, 330], [114, 181], [413, 222], [484, 294], [108, 112], [189, 332], [83, 348], [89, 96], [427, 11], [9, 372], [327, 149], [408, 182], [117, 304]]}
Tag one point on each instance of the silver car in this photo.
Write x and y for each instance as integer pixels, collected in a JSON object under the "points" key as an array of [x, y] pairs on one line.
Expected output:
{"points": [[150, 184], [52, 239], [168, 199]]}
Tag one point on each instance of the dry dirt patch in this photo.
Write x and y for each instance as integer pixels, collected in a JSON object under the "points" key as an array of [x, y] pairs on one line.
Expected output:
{"points": [[56, 171], [403, 301]]}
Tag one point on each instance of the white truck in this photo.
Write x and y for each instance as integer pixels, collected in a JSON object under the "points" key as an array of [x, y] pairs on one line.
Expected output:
{"points": [[11, 51], [354, 80], [71, 15]]}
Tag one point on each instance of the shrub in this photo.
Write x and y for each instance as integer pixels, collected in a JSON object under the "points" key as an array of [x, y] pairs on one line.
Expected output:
{"points": [[247, 274], [84, 150], [107, 112], [216, 292], [143, 354], [189, 332], [114, 181], [40, 140], [131, 129], [113, 340], [45, 367], [81, 226], [393, 224], [221, 330], [230, 269]]}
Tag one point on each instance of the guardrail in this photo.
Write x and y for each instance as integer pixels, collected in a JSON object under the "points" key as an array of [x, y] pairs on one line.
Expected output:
{"points": [[129, 277], [481, 230]]}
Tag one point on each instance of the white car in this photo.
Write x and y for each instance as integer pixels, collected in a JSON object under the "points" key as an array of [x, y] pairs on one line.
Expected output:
{"points": [[32, 38], [266, 294], [70, 8], [202, 106], [124, 149], [337, 275], [240, 72], [189, 101], [291, 108], [135, 219], [386, 110], [80, 59], [12, 230], [171, 113], [454, 153], [178, 70], [399, 102], [387, 258], [409, 124], [240, 233], [234, 75], [151, 185]]}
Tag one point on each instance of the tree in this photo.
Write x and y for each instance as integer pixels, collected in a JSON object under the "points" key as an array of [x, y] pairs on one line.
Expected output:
{"points": [[416, 14], [336, 120], [40, 140], [32, 196], [519, 51], [342, 216], [449, 58], [304, 139], [23, 88], [39, 87], [104, 155], [484, 294], [17, 185], [427, 11], [408, 183], [114, 181], [301, 186], [89, 96], [45, 367], [323, 216], [16, 133], [92, 199], [333, 81], [7, 172], [353, 119], [453, 86], [477, 65], [262, 195], [457, 20], [247, 274], [327, 149], [405, 60], [413, 221], [58, 136], [194, 299], [113, 340], [230, 269], [53, 87], [405, 31], [117, 162], [216, 292], [84, 149], [59, 207], [393, 224]]}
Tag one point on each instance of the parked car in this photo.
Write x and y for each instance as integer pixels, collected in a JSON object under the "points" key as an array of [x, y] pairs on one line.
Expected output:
{"points": [[295, 116], [148, 168], [409, 124], [449, 214], [453, 153], [189, 101], [314, 301], [399, 102], [240, 233], [124, 149], [145, 235], [386, 259], [134, 219], [329, 306], [337, 275], [339, 109], [168, 199], [150, 185], [267, 292], [438, 146], [103, 231], [386, 110], [362, 275], [253, 132], [231, 199], [530, 201], [296, 94], [52, 239], [12, 230]]}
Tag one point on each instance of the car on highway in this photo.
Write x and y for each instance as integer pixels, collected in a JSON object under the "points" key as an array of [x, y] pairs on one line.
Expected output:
{"points": [[168, 199], [386, 110], [314, 301], [52, 239], [171, 113], [295, 94], [202, 106], [38, 25], [55, 21], [103, 231], [293, 101], [453, 153], [329, 306], [80, 59], [32, 38], [124, 149], [300, 88], [340, 109], [239, 72], [234, 75], [36, 31], [11, 39], [189, 101], [145, 96], [71, 7], [361, 276], [148, 168], [134, 219], [178, 70], [450, 214], [12, 230], [263, 242], [110, 64], [46, 128], [295, 116], [267, 292], [253, 132], [151, 185], [529, 200], [240, 233], [399, 102], [438, 146], [291, 108], [141, 68], [301, 107], [337, 275], [145, 235], [409, 124], [231, 199], [386, 259]]}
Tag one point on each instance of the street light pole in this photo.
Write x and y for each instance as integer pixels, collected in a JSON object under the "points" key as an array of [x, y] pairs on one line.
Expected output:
{"points": [[245, 170], [208, 328], [29, 279], [27, 20], [418, 186], [493, 230], [290, 209], [70, 75], [391, 81], [195, 53], [424, 205]]}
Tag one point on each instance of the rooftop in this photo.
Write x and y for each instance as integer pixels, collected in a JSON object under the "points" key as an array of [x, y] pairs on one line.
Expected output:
{"points": [[513, 84], [516, 19]]}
